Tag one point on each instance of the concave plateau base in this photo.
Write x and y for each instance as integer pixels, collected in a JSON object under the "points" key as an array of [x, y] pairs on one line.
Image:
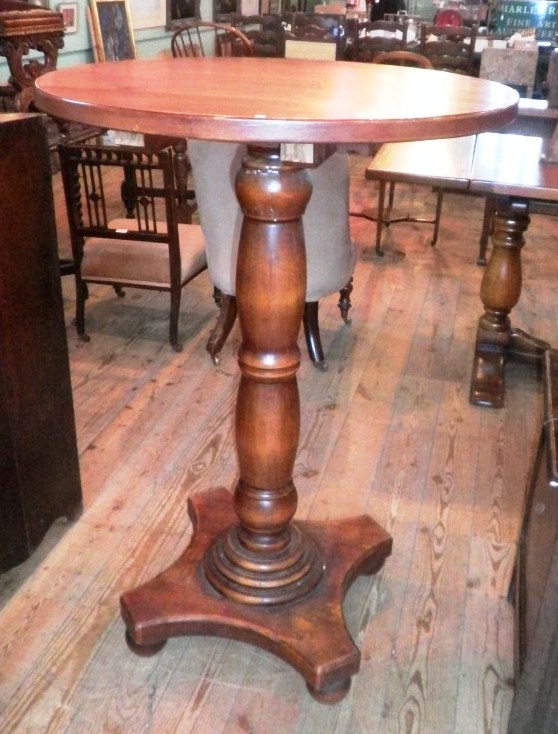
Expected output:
{"points": [[309, 634]]}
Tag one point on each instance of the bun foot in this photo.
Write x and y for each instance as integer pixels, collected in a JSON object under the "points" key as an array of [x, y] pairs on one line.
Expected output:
{"points": [[144, 651], [331, 694]]}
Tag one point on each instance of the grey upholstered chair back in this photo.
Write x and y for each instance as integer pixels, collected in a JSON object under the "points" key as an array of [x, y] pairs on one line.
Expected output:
{"points": [[329, 250]]}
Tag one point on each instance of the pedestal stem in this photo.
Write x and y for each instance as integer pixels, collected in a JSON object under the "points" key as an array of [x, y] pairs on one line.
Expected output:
{"points": [[500, 292], [265, 559]]}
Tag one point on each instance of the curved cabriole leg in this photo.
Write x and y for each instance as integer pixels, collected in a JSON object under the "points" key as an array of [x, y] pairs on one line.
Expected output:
{"points": [[345, 301], [225, 322], [312, 335], [500, 292], [174, 315], [251, 573]]}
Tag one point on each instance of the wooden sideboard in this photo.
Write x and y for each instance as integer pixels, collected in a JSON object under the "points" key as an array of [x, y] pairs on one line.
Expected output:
{"points": [[39, 470]]}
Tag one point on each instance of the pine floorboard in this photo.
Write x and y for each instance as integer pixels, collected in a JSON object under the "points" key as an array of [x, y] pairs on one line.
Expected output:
{"points": [[387, 430]]}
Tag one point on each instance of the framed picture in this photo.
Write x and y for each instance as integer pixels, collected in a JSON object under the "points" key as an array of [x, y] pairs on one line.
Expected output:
{"points": [[181, 10], [69, 13], [111, 26]]}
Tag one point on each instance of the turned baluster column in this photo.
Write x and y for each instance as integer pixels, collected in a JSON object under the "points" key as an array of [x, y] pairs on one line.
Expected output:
{"points": [[500, 292], [265, 559]]}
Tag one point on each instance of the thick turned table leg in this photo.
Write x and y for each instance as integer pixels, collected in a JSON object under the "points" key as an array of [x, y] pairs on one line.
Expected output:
{"points": [[251, 573], [500, 292]]}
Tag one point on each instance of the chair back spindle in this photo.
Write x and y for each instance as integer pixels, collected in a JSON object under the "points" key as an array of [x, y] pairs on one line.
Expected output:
{"points": [[150, 249], [192, 39]]}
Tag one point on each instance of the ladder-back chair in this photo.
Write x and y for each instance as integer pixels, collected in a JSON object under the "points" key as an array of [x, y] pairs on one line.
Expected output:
{"points": [[376, 37], [449, 48]]}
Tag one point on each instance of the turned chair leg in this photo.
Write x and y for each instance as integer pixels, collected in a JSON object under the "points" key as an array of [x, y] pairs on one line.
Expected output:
{"points": [[380, 219], [312, 335], [82, 293], [223, 327], [345, 301], [175, 297]]}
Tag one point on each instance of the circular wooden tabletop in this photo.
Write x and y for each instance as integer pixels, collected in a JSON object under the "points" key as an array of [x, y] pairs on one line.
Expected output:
{"points": [[275, 100]]}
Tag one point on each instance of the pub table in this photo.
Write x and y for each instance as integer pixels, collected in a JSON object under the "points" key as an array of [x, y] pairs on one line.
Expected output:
{"points": [[252, 572]]}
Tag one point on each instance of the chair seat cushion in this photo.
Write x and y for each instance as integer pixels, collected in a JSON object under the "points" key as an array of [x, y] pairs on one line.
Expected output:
{"points": [[330, 253], [144, 263]]}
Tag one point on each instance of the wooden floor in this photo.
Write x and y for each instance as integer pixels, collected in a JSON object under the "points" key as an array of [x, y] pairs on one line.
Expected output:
{"points": [[387, 430]]}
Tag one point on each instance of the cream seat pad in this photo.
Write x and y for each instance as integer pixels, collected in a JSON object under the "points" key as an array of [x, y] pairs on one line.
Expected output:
{"points": [[145, 263]]}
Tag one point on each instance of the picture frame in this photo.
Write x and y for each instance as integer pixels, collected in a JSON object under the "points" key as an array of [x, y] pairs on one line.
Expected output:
{"points": [[111, 30], [180, 10], [69, 13]]}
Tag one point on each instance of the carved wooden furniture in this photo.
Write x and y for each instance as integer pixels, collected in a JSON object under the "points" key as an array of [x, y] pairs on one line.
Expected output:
{"points": [[330, 254], [449, 48], [509, 168], [251, 572], [191, 39], [443, 164], [535, 584], [39, 470], [152, 250], [23, 29]]}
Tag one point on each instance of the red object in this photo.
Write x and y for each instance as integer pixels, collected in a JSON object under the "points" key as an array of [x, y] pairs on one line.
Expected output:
{"points": [[448, 17]]}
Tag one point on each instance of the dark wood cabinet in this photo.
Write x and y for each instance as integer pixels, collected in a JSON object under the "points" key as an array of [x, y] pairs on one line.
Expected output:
{"points": [[39, 470]]}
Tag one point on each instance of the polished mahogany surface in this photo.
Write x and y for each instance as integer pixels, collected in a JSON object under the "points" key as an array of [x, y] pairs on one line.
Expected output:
{"points": [[270, 100], [514, 165]]}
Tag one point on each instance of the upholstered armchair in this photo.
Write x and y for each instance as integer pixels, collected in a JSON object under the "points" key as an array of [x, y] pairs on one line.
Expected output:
{"points": [[330, 254]]}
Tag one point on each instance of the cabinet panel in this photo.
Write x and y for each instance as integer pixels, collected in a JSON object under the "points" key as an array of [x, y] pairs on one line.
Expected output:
{"points": [[39, 470]]}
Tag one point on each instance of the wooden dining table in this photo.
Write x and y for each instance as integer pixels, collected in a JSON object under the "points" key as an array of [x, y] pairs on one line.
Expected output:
{"points": [[253, 572]]}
